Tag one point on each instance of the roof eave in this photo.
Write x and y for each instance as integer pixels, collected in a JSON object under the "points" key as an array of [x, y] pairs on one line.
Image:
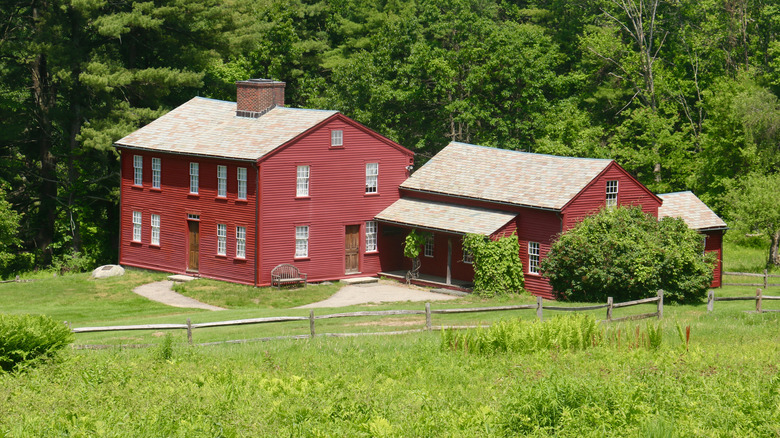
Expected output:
{"points": [[470, 198], [408, 225], [189, 154]]}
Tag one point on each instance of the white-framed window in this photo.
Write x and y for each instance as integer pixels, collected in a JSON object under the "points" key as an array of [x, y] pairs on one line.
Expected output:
{"points": [[138, 170], [428, 248], [612, 193], [222, 181], [468, 257], [302, 241], [336, 137], [156, 172], [371, 236], [241, 242], [136, 226], [241, 175], [221, 239], [302, 187], [155, 229], [194, 172], [194, 217], [533, 257], [372, 177]]}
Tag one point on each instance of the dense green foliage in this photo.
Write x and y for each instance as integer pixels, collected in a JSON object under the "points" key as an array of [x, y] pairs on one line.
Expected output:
{"points": [[753, 204], [683, 94], [414, 242], [497, 266], [26, 339], [573, 332], [626, 254]]}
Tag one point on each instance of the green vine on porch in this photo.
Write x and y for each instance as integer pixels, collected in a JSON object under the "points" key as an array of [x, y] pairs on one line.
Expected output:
{"points": [[497, 266], [413, 244]]}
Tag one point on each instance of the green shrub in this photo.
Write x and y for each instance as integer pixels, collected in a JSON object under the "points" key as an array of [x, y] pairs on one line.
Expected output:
{"points": [[25, 339], [497, 266], [573, 332], [626, 254]]}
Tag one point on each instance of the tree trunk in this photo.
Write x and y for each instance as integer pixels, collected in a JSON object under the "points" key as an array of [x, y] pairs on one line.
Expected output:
{"points": [[774, 254]]}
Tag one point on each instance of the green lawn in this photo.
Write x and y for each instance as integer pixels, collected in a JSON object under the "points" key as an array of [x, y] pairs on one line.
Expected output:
{"points": [[726, 383]]}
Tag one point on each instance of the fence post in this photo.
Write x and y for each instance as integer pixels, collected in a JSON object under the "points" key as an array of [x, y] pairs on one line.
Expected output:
{"points": [[311, 322], [609, 308], [660, 304], [766, 278], [539, 308], [17, 277], [189, 331], [428, 316], [710, 300], [759, 298]]}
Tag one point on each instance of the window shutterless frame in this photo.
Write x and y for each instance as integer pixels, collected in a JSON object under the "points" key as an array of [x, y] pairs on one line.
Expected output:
{"points": [[371, 236], [156, 173], [302, 185], [533, 257], [241, 176], [302, 241], [138, 170], [221, 239], [194, 175], [222, 181]]}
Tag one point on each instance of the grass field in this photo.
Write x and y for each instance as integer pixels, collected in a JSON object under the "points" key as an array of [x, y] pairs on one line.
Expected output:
{"points": [[726, 383]]}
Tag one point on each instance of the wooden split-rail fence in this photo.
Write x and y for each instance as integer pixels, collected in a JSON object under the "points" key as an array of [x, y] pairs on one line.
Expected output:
{"points": [[766, 276], [759, 298], [428, 312]]}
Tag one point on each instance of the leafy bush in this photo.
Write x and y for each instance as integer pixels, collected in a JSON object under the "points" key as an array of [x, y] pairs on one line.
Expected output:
{"points": [[497, 266], [627, 254], [573, 332], [25, 339]]}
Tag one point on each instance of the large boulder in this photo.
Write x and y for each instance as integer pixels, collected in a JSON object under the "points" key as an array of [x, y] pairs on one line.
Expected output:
{"points": [[106, 271]]}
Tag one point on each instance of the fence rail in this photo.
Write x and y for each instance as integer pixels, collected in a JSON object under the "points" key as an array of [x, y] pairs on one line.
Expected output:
{"points": [[428, 312], [766, 276], [759, 298]]}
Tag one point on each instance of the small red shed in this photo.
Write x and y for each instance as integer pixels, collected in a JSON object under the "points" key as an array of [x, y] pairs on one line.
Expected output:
{"points": [[475, 189], [698, 216], [229, 190]]}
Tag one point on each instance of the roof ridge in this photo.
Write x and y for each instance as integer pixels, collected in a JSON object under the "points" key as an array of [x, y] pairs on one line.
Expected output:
{"points": [[528, 153]]}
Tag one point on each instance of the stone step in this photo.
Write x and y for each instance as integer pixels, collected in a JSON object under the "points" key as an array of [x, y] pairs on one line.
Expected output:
{"points": [[181, 278], [360, 280]]}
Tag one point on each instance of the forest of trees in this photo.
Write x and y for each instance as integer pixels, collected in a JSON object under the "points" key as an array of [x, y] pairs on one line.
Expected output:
{"points": [[682, 93]]}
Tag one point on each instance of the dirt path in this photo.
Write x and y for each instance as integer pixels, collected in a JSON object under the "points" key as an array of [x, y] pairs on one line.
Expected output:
{"points": [[382, 292], [161, 292]]}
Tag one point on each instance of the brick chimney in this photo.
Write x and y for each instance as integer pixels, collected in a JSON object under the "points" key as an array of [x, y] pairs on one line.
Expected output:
{"points": [[255, 97]]}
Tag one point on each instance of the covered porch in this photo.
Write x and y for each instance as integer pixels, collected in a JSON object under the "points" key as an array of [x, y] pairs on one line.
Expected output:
{"points": [[443, 261]]}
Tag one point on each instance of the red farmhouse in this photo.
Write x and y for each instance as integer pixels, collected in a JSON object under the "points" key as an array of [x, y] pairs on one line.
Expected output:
{"points": [[230, 190], [474, 189]]}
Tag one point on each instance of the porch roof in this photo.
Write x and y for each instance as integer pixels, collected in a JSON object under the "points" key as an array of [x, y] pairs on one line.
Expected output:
{"points": [[439, 216]]}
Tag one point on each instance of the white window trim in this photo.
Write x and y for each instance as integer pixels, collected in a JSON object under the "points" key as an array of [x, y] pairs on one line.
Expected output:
{"points": [[428, 248], [240, 242], [221, 239], [303, 175], [372, 177], [533, 257], [302, 241], [371, 236], [337, 138], [137, 223], [138, 170], [612, 193], [222, 181], [241, 177], [156, 173], [155, 223], [194, 177]]}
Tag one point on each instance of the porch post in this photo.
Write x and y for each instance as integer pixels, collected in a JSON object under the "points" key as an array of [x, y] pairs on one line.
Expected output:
{"points": [[449, 260]]}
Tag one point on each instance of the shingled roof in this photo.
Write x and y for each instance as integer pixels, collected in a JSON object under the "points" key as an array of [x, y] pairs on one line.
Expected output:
{"points": [[446, 217], [210, 127], [510, 177], [691, 209]]}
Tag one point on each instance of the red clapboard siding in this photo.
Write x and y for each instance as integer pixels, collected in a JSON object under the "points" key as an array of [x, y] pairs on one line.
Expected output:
{"points": [[591, 199], [714, 244], [336, 198], [173, 203]]}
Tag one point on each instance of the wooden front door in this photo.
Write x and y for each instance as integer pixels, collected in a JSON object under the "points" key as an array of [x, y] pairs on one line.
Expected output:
{"points": [[352, 249], [194, 249]]}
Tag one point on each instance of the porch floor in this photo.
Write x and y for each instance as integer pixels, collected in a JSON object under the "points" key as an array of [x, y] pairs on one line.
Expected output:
{"points": [[431, 280]]}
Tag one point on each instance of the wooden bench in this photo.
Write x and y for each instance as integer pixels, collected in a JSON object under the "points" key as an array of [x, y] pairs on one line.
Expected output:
{"points": [[287, 274]]}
